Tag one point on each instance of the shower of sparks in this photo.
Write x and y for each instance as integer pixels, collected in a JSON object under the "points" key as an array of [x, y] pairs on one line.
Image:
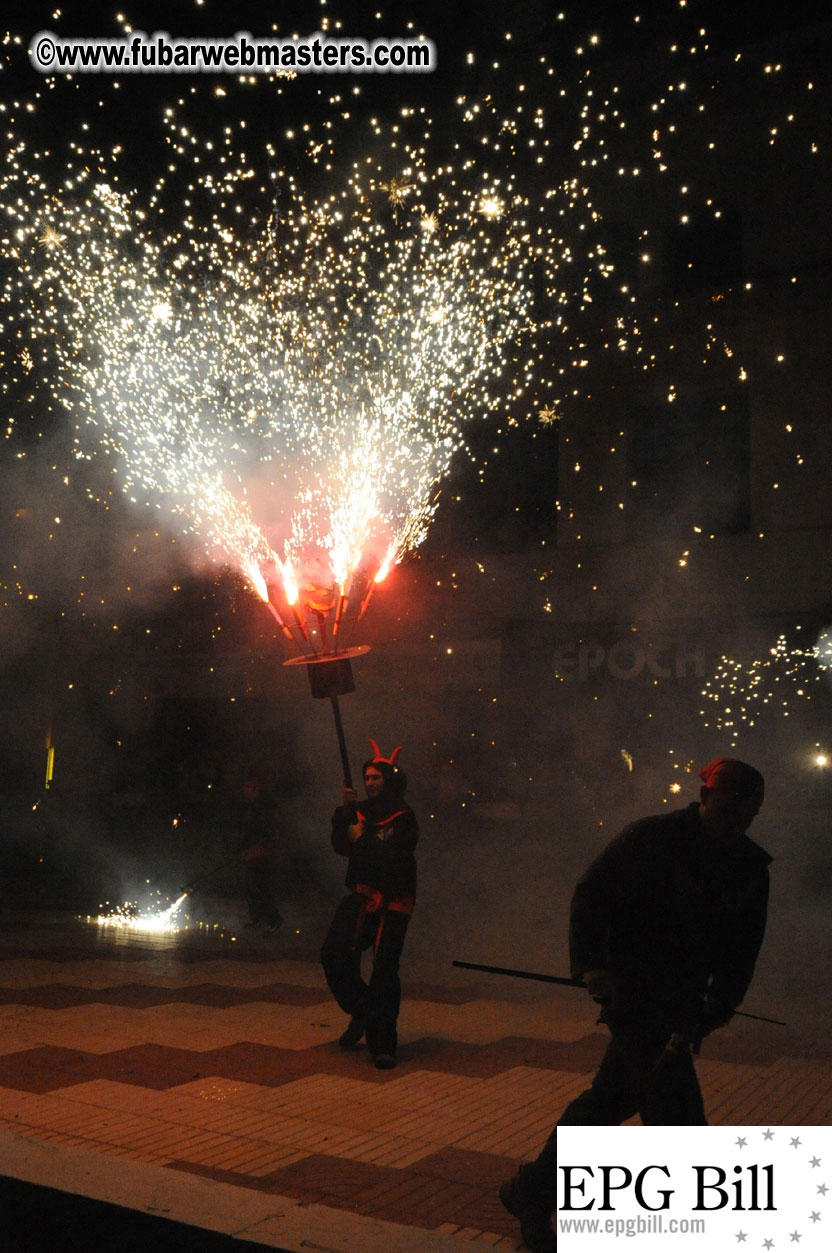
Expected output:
{"points": [[294, 388], [775, 684], [127, 917], [287, 361]]}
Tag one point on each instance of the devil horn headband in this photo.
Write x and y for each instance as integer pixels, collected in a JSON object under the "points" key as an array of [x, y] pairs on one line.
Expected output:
{"points": [[378, 756]]}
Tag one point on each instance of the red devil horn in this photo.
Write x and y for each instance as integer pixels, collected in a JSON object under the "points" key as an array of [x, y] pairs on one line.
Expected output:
{"points": [[377, 754]]}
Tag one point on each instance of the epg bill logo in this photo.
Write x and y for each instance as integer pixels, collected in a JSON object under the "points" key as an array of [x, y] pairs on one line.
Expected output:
{"points": [[705, 1185], [765, 1188]]}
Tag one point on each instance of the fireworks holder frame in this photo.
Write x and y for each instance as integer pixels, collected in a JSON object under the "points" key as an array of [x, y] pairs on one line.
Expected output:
{"points": [[330, 676]]}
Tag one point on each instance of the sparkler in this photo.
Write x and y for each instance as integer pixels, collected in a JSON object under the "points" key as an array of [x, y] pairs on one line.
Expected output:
{"points": [[128, 918]]}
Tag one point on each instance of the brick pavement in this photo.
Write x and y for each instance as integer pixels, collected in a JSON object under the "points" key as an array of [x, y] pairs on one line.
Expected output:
{"points": [[199, 1060]]}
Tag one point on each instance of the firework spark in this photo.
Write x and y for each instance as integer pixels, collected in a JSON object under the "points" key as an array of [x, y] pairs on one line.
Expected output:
{"points": [[127, 917], [774, 684], [293, 390]]}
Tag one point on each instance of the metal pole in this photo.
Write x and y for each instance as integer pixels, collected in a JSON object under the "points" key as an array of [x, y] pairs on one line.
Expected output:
{"points": [[520, 974], [342, 743], [579, 983]]}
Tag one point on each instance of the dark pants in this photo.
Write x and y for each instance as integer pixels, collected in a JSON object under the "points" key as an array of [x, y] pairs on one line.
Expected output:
{"points": [[537, 1178], [377, 1002], [640, 1075], [261, 902]]}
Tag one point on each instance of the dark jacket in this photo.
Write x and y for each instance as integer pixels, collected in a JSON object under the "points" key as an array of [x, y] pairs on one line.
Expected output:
{"points": [[672, 913], [382, 858]]}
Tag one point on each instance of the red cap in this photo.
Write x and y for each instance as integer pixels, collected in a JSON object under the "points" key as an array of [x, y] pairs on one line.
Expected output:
{"points": [[734, 773]]}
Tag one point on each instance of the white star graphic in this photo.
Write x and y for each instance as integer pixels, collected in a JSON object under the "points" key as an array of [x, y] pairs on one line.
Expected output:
{"points": [[815, 1216], [768, 1135], [768, 1244], [740, 1142], [823, 1189], [795, 1142], [815, 1161], [741, 1237], [794, 1236]]}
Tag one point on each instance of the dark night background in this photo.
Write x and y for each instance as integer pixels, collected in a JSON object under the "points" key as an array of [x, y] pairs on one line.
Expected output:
{"points": [[500, 650]]}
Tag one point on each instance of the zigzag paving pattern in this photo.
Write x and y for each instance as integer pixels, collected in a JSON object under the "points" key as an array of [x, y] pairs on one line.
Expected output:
{"points": [[221, 1064]]}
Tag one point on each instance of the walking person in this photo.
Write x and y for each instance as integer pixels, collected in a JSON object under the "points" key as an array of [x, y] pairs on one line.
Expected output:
{"points": [[378, 835], [665, 929]]}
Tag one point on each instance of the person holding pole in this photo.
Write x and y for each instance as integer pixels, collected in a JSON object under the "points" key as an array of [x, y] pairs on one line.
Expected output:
{"points": [[665, 929], [378, 835]]}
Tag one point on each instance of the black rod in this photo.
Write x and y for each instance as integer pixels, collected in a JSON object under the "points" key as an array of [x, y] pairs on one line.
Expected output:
{"points": [[342, 743], [579, 983]]}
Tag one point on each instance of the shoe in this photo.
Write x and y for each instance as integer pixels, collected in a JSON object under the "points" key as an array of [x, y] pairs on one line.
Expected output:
{"points": [[384, 1061], [354, 1032], [535, 1226]]}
